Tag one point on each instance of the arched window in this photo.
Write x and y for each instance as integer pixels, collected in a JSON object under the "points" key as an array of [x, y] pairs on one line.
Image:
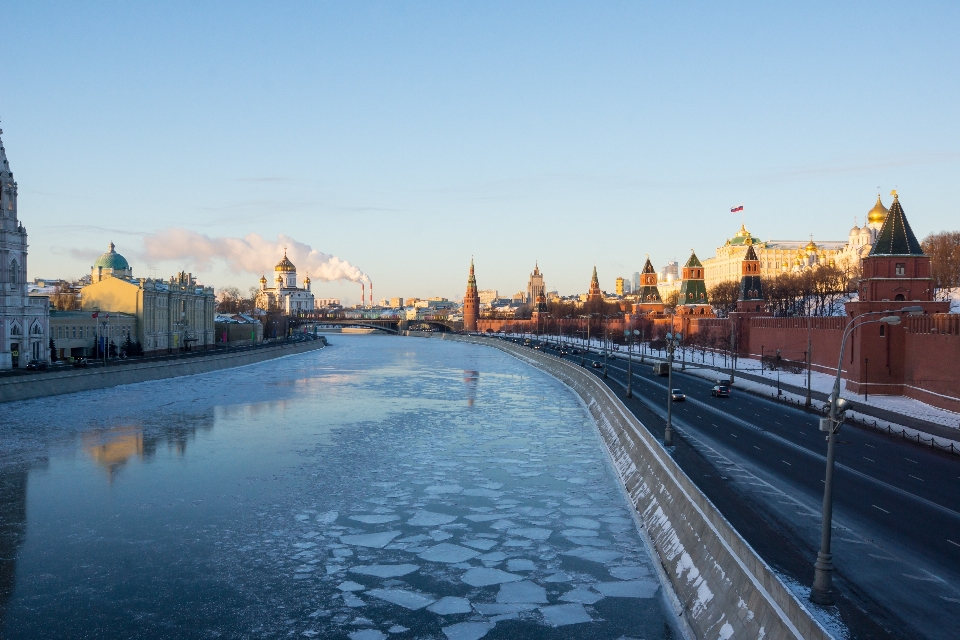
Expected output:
{"points": [[14, 272], [899, 297]]}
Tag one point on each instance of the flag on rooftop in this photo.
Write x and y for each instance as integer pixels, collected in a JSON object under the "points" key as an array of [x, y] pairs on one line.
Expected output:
{"points": [[736, 208]]}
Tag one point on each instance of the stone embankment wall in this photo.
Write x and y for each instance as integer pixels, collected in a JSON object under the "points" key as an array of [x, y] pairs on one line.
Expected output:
{"points": [[726, 589], [53, 383]]}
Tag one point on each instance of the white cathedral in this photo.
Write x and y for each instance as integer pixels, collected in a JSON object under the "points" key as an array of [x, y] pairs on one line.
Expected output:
{"points": [[24, 320], [285, 295]]}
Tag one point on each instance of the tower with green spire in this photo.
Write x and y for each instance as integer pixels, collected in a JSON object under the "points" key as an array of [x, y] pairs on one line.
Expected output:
{"points": [[594, 293], [471, 302], [751, 288], [648, 296], [693, 290]]}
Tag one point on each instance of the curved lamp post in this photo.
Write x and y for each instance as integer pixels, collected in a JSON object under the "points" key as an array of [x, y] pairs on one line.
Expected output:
{"points": [[822, 590]]}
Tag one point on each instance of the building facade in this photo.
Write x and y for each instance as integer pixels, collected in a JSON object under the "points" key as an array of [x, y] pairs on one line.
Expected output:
{"points": [[174, 314], [24, 319], [285, 295], [76, 334], [535, 286]]}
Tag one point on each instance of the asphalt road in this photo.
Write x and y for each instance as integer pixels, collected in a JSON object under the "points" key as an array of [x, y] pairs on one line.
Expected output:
{"points": [[896, 538]]}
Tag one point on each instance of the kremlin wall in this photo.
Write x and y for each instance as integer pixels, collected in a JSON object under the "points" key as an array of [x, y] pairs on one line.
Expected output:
{"points": [[916, 358]]}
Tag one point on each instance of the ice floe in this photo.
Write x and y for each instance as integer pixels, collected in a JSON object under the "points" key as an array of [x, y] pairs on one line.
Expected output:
{"points": [[523, 591], [484, 577], [467, 630], [450, 553], [430, 519], [412, 600], [564, 614], [533, 533], [349, 585], [384, 570], [628, 572], [628, 588], [372, 540], [520, 564], [583, 596], [449, 605], [367, 634], [483, 544]]}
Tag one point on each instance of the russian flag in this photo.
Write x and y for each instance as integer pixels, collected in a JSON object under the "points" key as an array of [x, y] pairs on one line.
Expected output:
{"points": [[737, 208]]}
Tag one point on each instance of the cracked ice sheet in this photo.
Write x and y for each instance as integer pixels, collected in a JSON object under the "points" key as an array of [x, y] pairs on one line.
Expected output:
{"points": [[563, 614], [467, 630], [385, 570], [372, 540], [408, 599]]}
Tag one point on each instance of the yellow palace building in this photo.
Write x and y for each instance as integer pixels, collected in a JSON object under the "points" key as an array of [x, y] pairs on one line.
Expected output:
{"points": [[786, 256]]}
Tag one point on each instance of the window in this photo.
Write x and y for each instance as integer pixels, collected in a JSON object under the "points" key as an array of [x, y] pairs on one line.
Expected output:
{"points": [[883, 330], [75, 332], [901, 268]]}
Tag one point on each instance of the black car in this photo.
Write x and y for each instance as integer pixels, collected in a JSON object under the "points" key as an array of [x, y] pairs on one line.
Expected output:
{"points": [[677, 395], [36, 365], [80, 362], [720, 391], [597, 365]]}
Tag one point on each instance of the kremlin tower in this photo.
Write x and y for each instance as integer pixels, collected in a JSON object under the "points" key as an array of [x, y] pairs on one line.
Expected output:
{"points": [[648, 296], [594, 293], [693, 291], [471, 302], [751, 289]]}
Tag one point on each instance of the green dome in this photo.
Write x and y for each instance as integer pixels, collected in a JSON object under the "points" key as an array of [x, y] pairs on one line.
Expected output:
{"points": [[112, 260]]}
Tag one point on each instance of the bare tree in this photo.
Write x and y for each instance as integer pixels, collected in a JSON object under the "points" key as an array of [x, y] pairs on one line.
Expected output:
{"points": [[723, 297], [944, 251]]}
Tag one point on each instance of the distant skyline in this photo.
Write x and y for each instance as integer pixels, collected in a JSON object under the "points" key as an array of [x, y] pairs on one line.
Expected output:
{"points": [[402, 138]]}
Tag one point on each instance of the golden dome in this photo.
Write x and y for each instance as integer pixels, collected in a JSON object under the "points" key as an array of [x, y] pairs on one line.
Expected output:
{"points": [[263, 278], [810, 247], [878, 214], [285, 264]]}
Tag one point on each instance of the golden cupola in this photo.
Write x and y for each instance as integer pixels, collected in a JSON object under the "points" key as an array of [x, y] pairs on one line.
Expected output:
{"points": [[878, 214]]}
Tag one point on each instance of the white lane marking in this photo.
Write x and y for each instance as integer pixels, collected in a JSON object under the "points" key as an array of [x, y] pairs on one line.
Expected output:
{"points": [[734, 435], [913, 461], [756, 447], [869, 445], [952, 542], [786, 463], [876, 507], [866, 458], [916, 478]]}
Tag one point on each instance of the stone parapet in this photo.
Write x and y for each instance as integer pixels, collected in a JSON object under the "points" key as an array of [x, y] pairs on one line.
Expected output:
{"points": [[726, 589], [39, 385]]}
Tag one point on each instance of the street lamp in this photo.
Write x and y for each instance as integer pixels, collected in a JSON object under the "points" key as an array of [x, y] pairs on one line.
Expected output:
{"points": [[630, 335], [822, 591], [672, 340]]}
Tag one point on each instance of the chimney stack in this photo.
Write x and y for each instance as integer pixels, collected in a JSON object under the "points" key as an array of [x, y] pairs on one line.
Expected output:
{"points": [[363, 293]]}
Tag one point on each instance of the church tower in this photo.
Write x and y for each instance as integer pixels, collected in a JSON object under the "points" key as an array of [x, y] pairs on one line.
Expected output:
{"points": [[648, 296], [751, 288], [24, 321], [471, 302], [594, 293]]}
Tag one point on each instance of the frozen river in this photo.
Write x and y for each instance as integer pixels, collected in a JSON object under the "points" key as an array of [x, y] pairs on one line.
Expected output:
{"points": [[382, 487]]}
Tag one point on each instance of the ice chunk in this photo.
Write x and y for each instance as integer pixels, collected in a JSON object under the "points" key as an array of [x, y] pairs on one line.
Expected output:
{"points": [[375, 519], [564, 614], [579, 533], [450, 605], [397, 629], [491, 609], [327, 518], [482, 493], [367, 634], [533, 533], [594, 555], [430, 519], [503, 524], [352, 601], [373, 540], [482, 544], [582, 523], [451, 553], [342, 553], [523, 591], [349, 585], [440, 536], [495, 556], [628, 589], [408, 599], [304, 545], [484, 577], [519, 564], [417, 538], [483, 517], [384, 570], [559, 576], [628, 573], [583, 596], [467, 630], [438, 489], [589, 542]]}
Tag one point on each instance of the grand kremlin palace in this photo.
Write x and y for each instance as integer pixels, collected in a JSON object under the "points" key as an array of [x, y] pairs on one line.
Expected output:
{"points": [[784, 256]]}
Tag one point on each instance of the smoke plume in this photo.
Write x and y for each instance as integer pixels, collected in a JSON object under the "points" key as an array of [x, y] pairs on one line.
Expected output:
{"points": [[252, 254]]}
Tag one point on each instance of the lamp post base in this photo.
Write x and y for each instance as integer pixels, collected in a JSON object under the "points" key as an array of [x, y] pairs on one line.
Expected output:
{"points": [[822, 591]]}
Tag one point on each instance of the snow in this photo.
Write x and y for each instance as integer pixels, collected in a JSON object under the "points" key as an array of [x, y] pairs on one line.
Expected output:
{"points": [[523, 591], [564, 614], [628, 589], [430, 519], [449, 553], [412, 600], [449, 605], [483, 577], [372, 540], [467, 630], [385, 570]]}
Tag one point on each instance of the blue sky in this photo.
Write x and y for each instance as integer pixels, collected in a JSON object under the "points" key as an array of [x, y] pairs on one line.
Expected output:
{"points": [[406, 137]]}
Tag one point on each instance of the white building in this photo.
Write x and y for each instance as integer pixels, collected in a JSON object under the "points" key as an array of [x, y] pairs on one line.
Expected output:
{"points": [[24, 320], [285, 295]]}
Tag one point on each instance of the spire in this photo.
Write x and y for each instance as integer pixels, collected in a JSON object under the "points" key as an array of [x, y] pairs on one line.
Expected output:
{"points": [[751, 254], [648, 267], [896, 238], [472, 280], [594, 280]]}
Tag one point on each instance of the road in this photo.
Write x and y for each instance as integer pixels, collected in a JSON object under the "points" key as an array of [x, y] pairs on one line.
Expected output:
{"points": [[896, 538]]}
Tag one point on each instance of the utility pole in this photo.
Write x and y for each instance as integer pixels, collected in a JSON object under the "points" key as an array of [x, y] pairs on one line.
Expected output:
{"points": [[808, 401], [733, 347], [672, 340]]}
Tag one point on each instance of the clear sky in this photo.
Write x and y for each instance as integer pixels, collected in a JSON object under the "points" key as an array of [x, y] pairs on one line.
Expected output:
{"points": [[406, 137]]}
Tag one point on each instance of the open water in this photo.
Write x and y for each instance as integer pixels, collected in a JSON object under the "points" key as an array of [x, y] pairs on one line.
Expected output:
{"points": [[381, 487]]}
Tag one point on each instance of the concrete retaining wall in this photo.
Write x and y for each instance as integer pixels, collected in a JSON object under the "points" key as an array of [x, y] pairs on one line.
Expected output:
{"points": [[70, 381], [727, 591]]}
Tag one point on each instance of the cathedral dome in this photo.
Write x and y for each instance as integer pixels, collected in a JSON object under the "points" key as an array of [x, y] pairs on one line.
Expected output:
{"points": [[878, 214], [811, 247], [112, 260], [285, 264]]}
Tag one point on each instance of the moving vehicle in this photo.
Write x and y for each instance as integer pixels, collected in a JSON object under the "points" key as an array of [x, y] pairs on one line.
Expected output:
{"points": [[597, 365], [661, 368], [677, 396], [720, 391], [36, 365], [80, 362]]}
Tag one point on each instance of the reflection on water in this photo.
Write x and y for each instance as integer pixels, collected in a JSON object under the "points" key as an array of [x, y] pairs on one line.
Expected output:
{"points": [[343, 493]]}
